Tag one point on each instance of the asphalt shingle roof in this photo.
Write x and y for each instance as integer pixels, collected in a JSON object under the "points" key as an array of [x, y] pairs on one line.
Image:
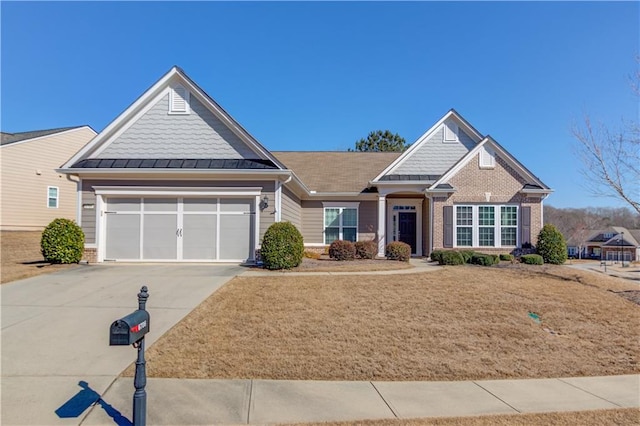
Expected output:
{"points": [[336, 171], [9, 138]]}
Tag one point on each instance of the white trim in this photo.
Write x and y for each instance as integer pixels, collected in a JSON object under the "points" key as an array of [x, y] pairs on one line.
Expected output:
{"points": [[79, 202], [382, 235], [178, 191], [473, 134], [101, 228], [451, 131], [497, 225], [173, 97], [350, 205], [487, 158], [430, 198], [48, 136], [278, 201], [256, 225], [57, 197], [341, 207], [391, 213]]}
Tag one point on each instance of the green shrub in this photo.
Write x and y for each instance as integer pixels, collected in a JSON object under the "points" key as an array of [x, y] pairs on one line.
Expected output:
{"points": [[436, 255], [467, 255], [551, 245], [506, 256], [397, 250], [342, 250], [282, 246], [366, 249], [532, 259], [451, 257], [62, 241], [484, 259]]}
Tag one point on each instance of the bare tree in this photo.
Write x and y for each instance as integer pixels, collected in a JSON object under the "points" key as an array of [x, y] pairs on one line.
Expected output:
{"points": [[611, 157]]}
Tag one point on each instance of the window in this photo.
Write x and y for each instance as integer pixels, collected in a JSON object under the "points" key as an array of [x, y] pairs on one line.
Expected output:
{"points": [[464, 226], [179, 100], [482, 226], [340, 223], [52, 197], [487, 230], [508, 225]]}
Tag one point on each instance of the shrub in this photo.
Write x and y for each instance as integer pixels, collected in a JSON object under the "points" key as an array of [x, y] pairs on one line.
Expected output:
{"points": [[397, 250], [342, 250], [506, 256], [467, 255], [62, 241], [282, 246], [532, 259], [551, 245], [366, 249], [451, 257], [436, 255], [309, 254], [484, 259]]}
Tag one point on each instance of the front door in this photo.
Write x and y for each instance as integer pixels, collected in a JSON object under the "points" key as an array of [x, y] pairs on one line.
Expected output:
{"points": [[407, 229]]}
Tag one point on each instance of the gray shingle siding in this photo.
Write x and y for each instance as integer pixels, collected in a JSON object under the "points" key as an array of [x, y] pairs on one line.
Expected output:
{"points": [[435, 156], [158, 134]]}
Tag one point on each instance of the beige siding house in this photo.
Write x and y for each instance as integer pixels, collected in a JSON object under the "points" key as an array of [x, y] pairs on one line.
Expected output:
{"points": [[33, 192], [176, 178]]}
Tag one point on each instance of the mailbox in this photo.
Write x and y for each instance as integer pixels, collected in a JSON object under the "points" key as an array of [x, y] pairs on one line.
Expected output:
{"points": [[130, 329]]}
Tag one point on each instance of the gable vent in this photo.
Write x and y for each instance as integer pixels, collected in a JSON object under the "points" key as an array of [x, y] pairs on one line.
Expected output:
{"points": [[179, 102]]}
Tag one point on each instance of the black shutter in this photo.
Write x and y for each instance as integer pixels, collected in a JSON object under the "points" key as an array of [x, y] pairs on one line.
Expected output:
{"points": [[448, 226], [525, 225]]}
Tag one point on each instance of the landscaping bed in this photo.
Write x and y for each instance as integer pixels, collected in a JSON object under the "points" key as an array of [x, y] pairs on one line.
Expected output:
{"points": [[457, 323], [21, 256], [326, 264]]}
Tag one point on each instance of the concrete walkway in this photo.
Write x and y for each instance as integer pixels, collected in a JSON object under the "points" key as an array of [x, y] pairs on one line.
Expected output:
{"points": [[207, 402], [55, 330]]}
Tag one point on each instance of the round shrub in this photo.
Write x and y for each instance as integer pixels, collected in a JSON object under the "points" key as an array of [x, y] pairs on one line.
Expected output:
{"points": [[366, 249], [484, 259], [507, 257], [397, 250], [342, 250], [62, 241], [532, 259], [451, 257], [282, 246], [551, 245]]}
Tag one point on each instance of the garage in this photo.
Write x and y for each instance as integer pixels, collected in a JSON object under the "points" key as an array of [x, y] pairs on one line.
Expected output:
{"points": [[198, 229]]}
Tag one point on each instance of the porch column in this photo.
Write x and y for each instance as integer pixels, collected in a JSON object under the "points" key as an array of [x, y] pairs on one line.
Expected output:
{"points": [[382, 220]]}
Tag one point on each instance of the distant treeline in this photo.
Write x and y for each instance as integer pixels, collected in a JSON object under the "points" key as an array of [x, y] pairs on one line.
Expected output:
{"points": [[572, 221]]}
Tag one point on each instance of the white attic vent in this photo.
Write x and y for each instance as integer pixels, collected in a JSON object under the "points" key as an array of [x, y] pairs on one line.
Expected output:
{"points": [[179, 100], [487, 158], [450, 132]]}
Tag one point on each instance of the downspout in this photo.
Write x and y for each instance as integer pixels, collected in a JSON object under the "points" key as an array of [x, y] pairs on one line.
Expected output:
{"points": [[78, 198]]}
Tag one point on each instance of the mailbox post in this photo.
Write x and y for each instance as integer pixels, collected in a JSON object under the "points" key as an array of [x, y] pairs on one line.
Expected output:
{"points": [[131, 330]]}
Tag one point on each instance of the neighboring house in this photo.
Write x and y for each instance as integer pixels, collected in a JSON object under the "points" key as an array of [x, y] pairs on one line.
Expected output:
{"points": [[33, 192], [176, 178], [612, 243]]}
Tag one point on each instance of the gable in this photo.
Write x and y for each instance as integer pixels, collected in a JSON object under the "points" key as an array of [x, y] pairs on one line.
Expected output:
{"points": [[161, 134], [436, 155]]}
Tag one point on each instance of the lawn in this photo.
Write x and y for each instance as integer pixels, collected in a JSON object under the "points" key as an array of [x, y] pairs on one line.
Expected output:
{"points": [[457, 323], [21, 257], [623, 416]]}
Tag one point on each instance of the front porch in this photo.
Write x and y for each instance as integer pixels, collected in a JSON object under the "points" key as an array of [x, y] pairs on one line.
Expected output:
{"points": [[405, 217]]}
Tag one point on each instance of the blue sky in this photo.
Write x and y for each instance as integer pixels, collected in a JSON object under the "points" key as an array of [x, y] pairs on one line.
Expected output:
{"points": [[319, 76]]}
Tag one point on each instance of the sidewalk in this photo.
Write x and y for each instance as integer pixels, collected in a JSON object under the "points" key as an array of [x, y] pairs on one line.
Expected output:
{"points": [[205, 402], [629, 272]]}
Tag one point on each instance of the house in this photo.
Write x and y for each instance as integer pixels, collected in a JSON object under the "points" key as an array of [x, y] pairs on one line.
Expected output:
{"points": [[612, 243], [176, 178], [33, 192]]}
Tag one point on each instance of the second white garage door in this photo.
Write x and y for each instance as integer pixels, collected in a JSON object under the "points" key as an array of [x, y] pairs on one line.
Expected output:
{"points": [[187, 229]]}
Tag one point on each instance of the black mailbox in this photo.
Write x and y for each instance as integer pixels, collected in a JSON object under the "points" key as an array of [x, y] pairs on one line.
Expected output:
{"points": [[130, 329]]}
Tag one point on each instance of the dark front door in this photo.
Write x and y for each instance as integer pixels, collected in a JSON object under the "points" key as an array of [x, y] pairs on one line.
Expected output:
{"points": [[407, 228]]}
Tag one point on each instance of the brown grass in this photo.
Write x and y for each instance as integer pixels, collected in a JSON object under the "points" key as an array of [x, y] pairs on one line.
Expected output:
{"points": [[622, 416], [458, 323], [325, 264], [21, 257]]}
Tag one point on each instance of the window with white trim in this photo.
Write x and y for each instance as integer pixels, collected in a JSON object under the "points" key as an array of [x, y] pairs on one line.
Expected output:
{"points": [[52, 197], [486, 226], [179, 100], [340, 223]]}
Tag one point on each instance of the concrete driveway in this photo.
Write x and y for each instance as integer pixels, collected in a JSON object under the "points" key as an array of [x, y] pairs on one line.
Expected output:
{"points": [[55, 346]]}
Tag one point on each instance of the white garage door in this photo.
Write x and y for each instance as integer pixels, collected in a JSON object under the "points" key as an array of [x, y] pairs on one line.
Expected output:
{"points": [[170, 229]]}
